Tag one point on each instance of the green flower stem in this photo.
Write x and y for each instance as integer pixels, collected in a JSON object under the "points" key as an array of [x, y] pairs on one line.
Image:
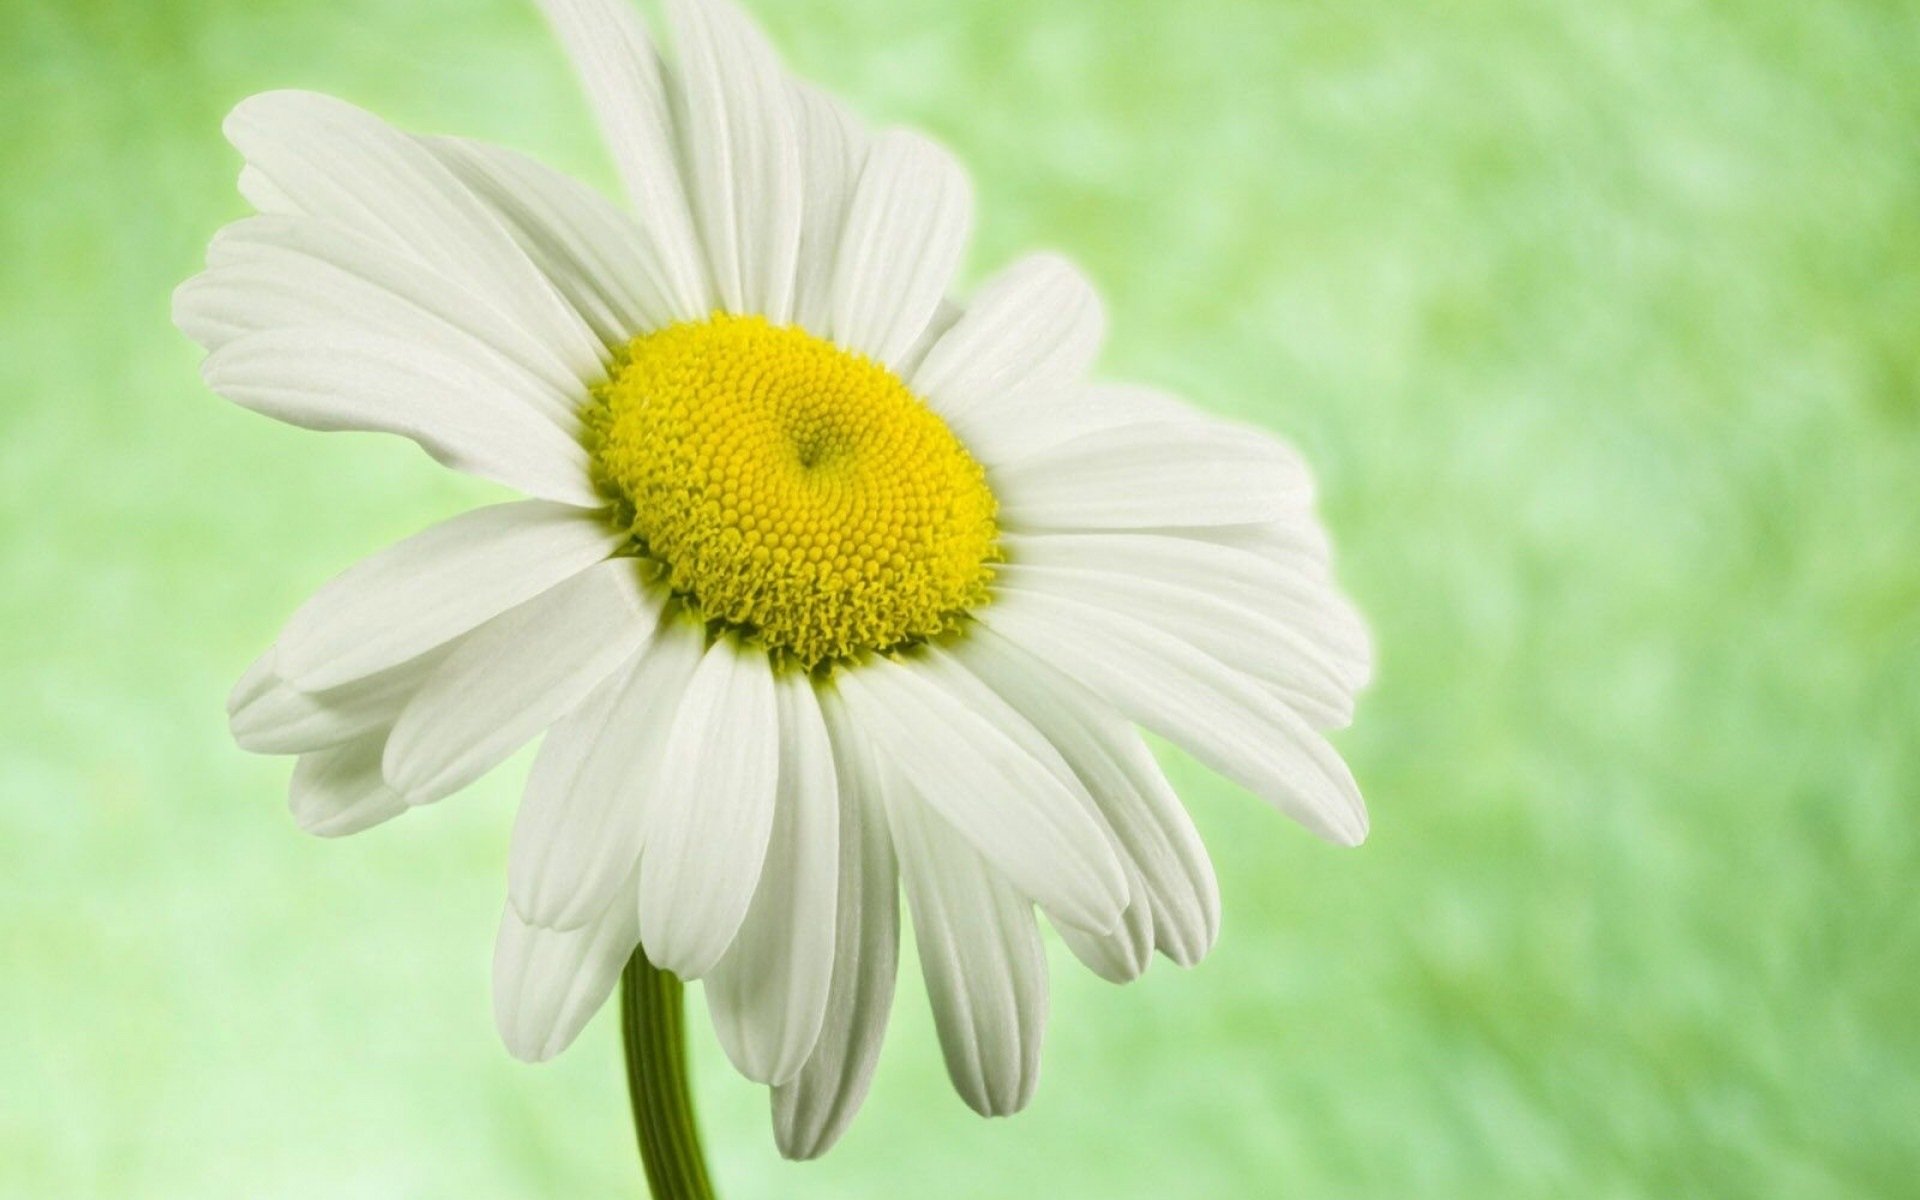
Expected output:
{"points": [[652, 1019]]}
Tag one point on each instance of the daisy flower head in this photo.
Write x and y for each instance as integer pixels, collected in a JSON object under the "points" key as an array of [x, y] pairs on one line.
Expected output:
{"points": [[828, 585]]}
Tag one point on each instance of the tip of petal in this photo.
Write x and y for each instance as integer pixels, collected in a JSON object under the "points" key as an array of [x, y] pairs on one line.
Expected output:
{"points": [[1003, 1103], [524, 1048], [185, 316], [795, 1150], [1352, 827], [689, 962], [253, 682], [803, 1129], [403, 773], [334, 824]]}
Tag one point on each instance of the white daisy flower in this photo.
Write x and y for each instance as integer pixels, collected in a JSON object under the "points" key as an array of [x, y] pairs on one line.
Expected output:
{"points": [[825, 585]]}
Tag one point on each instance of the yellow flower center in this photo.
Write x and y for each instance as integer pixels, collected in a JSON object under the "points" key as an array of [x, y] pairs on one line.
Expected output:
{"points": [[792, 489]]}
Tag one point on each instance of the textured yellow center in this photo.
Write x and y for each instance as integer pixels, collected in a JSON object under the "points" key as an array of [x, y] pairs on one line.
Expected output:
{"points": [[792, 489]]}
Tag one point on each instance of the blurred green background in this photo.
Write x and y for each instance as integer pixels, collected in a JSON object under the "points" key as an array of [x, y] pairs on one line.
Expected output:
{"points": [[1602, 325]]}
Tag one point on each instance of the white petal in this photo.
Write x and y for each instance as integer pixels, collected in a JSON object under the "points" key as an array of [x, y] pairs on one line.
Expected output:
{"points": [[578, 832], [288, 273], [339, 790], [945, 317], [275, 717], [514, 676], [739, 138], [1029, 336], [1006, 439], [548, 983], [1078, 412], [265, 196], [1258, 645], [1121, 955], [1109, 404], [815, 1108], [442, 582], [1291, 586], [1119, 771], [833, 149], [1118, 954], [1026, 822], [1298, 541], [621, 72], [907, 227], [471, 415], [1152, 473], [597, 256], [939, 667], [768, 993], [707, 830], [254, 682], [340, 163], [1220, 716], [980, 955]]}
